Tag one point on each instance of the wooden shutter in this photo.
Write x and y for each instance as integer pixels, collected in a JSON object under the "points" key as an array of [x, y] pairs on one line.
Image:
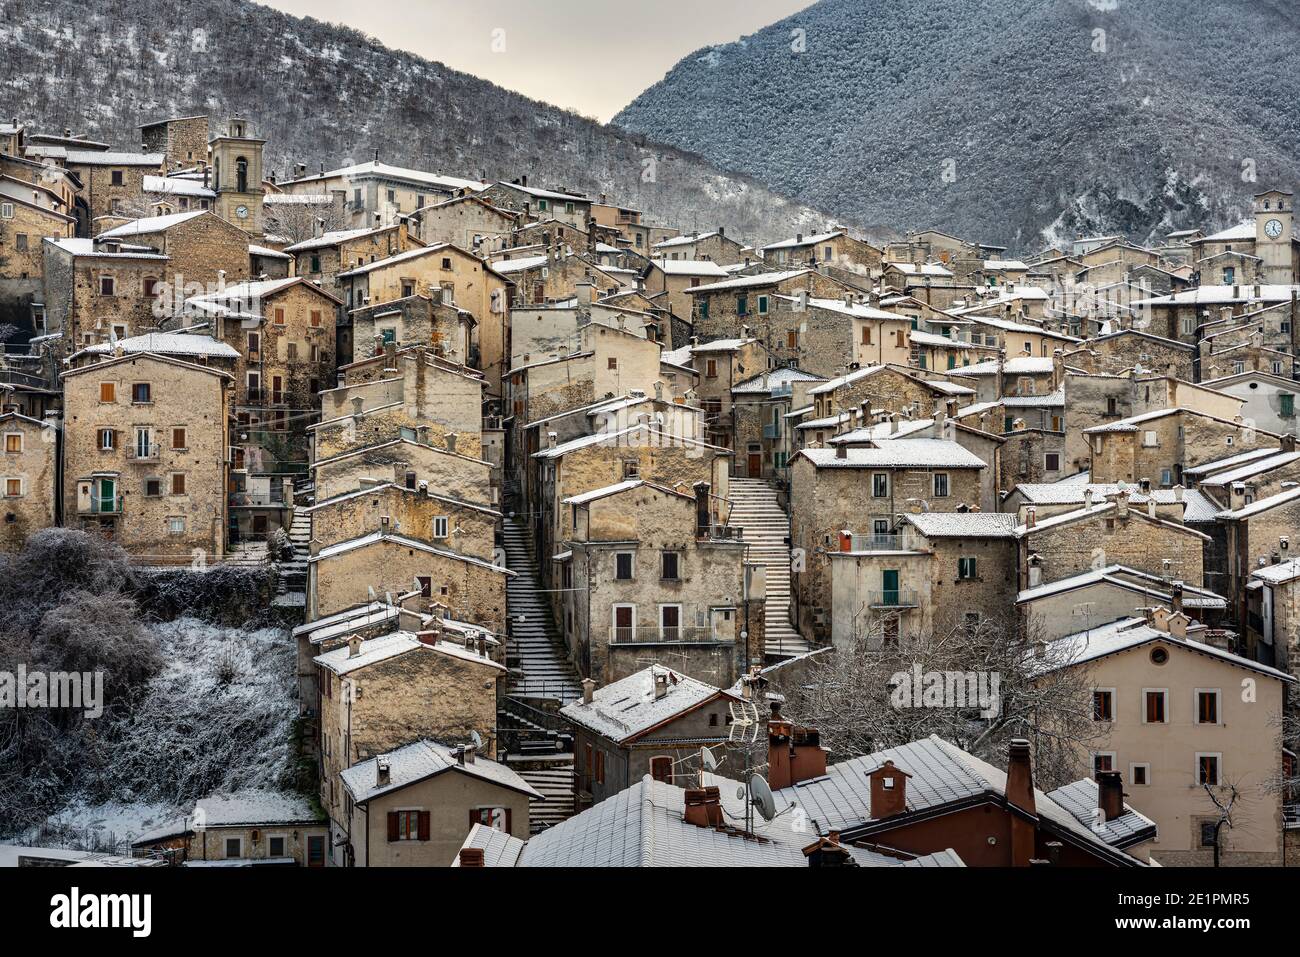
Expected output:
{"points": [[510, 823], [424, 825], [392, 826]]}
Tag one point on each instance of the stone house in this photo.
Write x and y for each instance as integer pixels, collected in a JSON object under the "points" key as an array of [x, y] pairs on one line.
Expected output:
{"points": [[760, 410], [641, 577], [639, 726], [94, 292], [322, 258], [1106, 533], [447, 274], [715, 246], [863, 490], [145, 448], [246, 828], [1157, 446], [1267, 400], [405, 461], [445, 330], [414, 806], [1176, 727], [1273, 614], [379, 694], [23, 225], [720, 364], [604, 362], [848, 401], [932, 572], [534, 202], [823, 335], [183, 141], [835, 248], [112, 182], [346, 573], [28, 478], [1260, 534], [671, 278], [1031, 455], [551, 275], [641, 451], [720, 308], [420, 513], [204, 251], [1118, 352], [376, 193], [468, 221]]}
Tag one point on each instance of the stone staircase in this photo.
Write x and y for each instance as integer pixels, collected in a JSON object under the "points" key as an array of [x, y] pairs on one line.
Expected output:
{"points": [[553, 777], [293, 573], [539, 667], [754, 507]]}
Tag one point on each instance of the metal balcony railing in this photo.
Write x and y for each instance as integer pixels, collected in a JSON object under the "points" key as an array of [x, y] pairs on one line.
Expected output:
{"points": [[771, 431], [100, 505], [649, 634], [876, 542], [144, 453], [893, 598]]}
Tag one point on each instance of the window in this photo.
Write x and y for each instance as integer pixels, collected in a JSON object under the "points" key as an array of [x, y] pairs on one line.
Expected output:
{"points": [[440, 526], [275, 846], [497, 818], [1150, 439], [152, 487], [293, 350], [178, 483], [762, 305], [1139, 774], [1207, 769], [631, 469], [20, 242], [1102, 761], [1103, 704], [1207, 705], [234, 847], [176, 525], [866, 335], [967, 569], [670, 622], [661, 769], [254, 343], [408, 826], [426, 585], [623, 566], [107, 286], [1154, 710], [669, 566], [742, 306], [107, 440], [1286, 407], [880, 485], [141, 394], [6, 210], [1052, 461], [1209, 834], [107, 392], [13, 487], [279, 315], [711, 368], [940, 484], [543, 205], [116, 177], [13, 442], [315, 318], [178, 439], [611, 362], [315, 263]]}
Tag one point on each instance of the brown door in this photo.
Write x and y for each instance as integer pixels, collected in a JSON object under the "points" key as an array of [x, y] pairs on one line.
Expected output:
{"points": [[755, 468], [315, 850], [259, 524], [623, 623], [661, 769]]}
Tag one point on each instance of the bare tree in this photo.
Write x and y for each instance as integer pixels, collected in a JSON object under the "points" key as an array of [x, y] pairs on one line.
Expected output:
{"points": [[299, 221], [978, 684]]}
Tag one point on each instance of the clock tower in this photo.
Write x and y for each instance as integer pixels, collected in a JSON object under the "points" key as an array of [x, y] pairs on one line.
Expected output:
{"points": [[1273, 243], [236, 161]]}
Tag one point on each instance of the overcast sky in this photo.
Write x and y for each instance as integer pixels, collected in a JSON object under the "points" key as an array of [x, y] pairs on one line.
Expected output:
{"points": [[593, 56]]}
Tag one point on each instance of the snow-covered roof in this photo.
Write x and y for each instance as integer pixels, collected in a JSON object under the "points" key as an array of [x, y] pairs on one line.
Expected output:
{"points": [[832, 384], [1278, 573], [401, 258], [253, 807], [1129, 633], [1242, 231], [334, 237], [1218, 465], [653, 436], [106, 158], [1197, 506], [266, 252], [964, 524], [1130, 579], [920, 269], [178, 186], [1006, 265], [898, 453], [686, 240], [860, 310], [798, 242], [385, 171], [546, 193], [765, 382], [508, 266], [1222, 294], [371, 651], [1262, 504], [86, 247], [1081, 799], [746, 282], [881, 432], [1020, 365], [168, 343], [351, 544], [689, 267], [1250, 469], [628, 707], [150, 224], [421, 760]]}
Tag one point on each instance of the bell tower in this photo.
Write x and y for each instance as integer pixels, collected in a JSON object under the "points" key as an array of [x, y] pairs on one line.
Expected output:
{"points": [[1273, 242], [236, 159]]}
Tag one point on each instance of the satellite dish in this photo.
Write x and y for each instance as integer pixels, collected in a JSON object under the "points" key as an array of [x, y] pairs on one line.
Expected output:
{"points": [[762, 797], [708, 760], [476, 739]]}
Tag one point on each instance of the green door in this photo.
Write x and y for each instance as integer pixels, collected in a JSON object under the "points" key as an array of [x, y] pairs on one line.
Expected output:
{"points": [[107, 501], [889, 586]]}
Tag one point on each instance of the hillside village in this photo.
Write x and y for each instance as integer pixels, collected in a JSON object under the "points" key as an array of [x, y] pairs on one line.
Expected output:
{"points": [[569, 510]]}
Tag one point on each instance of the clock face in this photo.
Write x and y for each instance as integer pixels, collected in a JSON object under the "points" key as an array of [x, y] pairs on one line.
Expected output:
{"points": [[1273, 228], [241, 212]]}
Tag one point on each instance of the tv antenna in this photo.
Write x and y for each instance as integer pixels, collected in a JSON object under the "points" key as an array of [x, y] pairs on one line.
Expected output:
{"points": [[744, 722]]}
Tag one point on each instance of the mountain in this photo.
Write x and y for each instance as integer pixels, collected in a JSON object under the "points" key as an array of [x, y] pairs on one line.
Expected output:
{"points": [[1011, 121], [321, 93]]}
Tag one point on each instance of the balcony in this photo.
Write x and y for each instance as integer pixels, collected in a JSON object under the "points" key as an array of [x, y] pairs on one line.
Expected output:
{"points": [[893, 598], [651, 634], [144, 453], [771, 431], [876, 542], [100, 505]]}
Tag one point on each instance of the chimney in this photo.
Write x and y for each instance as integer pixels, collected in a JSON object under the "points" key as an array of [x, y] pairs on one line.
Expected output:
{"points": [[841, 450], [888, 791], [1031, 515], [551, 439], [1020, 797], [357, 403], [465, 754], [703, 807], [846, 540], [1176, 596], [450, 439], [702, 512], [1288, 442], [1110, 794], [1087, 497], [793, 754], [588, 690], [354, 646], [381, 772], [1121, 504], [471, 857], [660, 685]]}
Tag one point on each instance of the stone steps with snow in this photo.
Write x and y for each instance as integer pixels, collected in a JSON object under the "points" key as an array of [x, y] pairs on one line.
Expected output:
{"points": [[540, 668]]}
